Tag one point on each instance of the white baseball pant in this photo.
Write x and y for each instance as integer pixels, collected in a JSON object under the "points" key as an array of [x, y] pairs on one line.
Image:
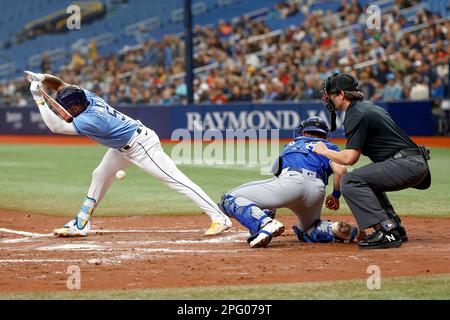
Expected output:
{"points": [[146, 152]]}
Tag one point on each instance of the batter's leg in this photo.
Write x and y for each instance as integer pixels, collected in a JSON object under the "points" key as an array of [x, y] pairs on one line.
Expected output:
{"points": [[105, 173], [102, 178], [150, 156]]}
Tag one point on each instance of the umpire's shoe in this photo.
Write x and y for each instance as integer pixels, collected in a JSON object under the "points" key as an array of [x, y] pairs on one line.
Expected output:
{"points": [[381, 239], [400, 229]]}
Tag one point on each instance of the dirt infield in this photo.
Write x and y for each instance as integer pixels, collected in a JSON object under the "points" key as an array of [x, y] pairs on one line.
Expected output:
{"points": [[164, 252], [77, 140]]}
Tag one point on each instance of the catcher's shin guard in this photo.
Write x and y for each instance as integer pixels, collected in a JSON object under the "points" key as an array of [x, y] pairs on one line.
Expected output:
{"points": [[243, 214]]}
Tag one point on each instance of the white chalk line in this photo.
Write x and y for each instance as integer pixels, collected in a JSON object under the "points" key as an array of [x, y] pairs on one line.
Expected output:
{"points": [[24, 233], [31, 235], [71, 246], [41, 261], [123, 254]]}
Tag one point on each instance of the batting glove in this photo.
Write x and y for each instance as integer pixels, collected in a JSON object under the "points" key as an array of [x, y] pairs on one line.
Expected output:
{"points": [[31, 76], [34, 89]]}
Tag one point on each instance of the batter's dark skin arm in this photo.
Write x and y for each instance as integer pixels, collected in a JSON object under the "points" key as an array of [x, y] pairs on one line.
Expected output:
{"points": [[53, 82]]}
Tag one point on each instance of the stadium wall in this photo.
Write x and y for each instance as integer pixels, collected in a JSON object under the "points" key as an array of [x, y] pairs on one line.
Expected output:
{"points": [[413, 117]]}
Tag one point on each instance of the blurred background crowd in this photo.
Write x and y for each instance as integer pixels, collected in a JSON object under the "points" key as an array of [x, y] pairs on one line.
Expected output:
{"points": [[244, 60]]}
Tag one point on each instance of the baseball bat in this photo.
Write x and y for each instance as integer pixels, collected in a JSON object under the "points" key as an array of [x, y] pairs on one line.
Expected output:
{"points": [[52, 103]]}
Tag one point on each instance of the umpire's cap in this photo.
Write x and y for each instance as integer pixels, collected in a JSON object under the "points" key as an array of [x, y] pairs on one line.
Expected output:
{"points": [[314, 124], [340, 82], [72, 95]]}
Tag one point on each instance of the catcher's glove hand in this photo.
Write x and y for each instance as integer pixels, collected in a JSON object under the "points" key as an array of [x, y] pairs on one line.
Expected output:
{"points": [[361, 235]]}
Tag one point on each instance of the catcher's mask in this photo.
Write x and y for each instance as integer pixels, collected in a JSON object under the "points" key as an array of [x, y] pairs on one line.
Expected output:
{"points": [[70, 96], [312, 124], [333, 85]]}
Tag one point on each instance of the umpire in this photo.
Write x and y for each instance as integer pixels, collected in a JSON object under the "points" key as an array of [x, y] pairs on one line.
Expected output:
{"points": [[398, 163]]}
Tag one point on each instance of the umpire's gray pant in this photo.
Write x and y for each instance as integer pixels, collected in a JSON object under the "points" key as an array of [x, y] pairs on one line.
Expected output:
{"points": [[291, 189], [364, 188]]}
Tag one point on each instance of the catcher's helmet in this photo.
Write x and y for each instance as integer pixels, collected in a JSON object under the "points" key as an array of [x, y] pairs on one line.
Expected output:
{"points": [[72, 95], [312, 124]]}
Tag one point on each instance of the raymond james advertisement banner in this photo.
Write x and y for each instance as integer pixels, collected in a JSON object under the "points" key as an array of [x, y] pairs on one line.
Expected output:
{"points": [[413, 117]]}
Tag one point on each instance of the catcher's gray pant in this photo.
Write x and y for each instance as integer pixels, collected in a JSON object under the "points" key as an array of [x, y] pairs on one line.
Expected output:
{"points": [[364, 188], [146, 152], [291, 189]]}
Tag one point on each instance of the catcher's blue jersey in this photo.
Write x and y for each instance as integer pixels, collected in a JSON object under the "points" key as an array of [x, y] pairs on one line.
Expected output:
{"points": [[104, 124], [299, 154]]}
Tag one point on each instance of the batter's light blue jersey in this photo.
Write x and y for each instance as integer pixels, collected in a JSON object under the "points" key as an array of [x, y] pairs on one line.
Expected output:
{"points": [[299, 154], [104, 124]]}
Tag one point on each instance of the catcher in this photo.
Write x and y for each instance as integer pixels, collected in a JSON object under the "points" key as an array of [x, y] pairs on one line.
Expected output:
{"points": [[129, 142], [299, 184]]}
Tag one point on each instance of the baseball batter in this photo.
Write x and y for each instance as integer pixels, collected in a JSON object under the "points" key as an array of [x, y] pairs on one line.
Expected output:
{"points": [[129, 142], [299, 184]]}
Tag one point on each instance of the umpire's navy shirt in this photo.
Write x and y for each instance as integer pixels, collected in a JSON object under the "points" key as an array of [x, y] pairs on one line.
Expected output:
{"points": [[369, 128]]}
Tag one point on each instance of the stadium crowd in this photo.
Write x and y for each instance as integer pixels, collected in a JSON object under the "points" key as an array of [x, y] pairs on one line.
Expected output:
{"points": [[244, 60]]}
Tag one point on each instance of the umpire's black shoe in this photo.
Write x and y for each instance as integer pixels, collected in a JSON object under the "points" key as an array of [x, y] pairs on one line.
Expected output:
{"points": [[402, 233], [381, 239], [400, 229]]}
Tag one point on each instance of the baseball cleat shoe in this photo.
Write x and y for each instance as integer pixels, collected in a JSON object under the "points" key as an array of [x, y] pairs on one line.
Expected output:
{"points": [[381, 239], [273, 229], [402, 233], [74, 228], [217, 227]]}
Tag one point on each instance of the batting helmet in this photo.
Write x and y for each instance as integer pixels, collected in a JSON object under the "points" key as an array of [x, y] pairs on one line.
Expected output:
{"points": [[70, 96], [312, 124]]}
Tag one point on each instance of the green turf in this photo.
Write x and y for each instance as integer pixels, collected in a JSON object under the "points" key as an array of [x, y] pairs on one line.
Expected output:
{"points": [[426, 287], [55, 179]]}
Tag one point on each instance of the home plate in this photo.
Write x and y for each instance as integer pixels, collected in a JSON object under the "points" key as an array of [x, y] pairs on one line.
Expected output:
{"points": [[70, 246]]}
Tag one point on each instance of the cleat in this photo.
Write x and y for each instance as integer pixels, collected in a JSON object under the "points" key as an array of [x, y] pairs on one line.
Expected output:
{"points": [[273, 229], [402, 233], [74, 228], [216, 228], [381, 239]]}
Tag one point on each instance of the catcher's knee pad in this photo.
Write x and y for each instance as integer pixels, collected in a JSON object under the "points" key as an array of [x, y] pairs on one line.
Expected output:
{"points": [[243, 214]]}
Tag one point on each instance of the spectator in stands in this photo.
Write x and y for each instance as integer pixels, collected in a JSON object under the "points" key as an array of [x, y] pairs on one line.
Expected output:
{"points": [[419, 91], [366, 85], [46, 66], [93, 51], [224, 29], [285, 66], [391, 91], [235, 94]]}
